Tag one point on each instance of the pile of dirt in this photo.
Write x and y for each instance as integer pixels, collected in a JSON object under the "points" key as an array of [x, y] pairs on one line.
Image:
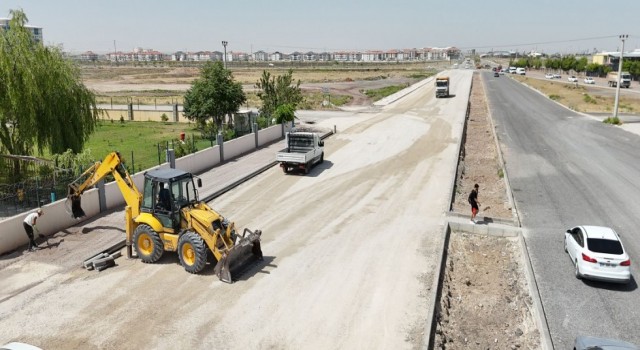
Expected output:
{"points": [[485, 302]]}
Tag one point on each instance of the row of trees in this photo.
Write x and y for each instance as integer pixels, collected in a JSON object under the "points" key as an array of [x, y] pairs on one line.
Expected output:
{"points": [[45, 105], [569, 63]]}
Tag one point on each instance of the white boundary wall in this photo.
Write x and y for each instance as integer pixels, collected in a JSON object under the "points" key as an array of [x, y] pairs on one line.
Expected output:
{"points": [[58, 217]]}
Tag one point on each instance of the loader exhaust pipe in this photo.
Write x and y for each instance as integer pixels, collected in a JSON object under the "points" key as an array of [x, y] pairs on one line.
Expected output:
{"points": [[240, 257]]}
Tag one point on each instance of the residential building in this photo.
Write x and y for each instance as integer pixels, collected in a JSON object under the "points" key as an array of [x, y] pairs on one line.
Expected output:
{"points": [[35, 31]]}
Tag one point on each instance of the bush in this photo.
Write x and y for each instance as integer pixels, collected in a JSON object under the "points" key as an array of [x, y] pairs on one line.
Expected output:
{"points": [[612, 120], [555, 97], [164, 117], [588, 99]]}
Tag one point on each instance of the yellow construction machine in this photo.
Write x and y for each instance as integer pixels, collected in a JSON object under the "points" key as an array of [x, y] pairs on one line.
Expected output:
{"points": [[168, 216]]}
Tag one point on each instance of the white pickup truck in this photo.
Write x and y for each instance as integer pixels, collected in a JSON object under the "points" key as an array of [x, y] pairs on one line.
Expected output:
{"points": [[304, 149]]}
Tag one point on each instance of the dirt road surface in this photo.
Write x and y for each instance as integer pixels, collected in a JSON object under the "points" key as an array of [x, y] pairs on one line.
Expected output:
{"points": [[350, 253]]}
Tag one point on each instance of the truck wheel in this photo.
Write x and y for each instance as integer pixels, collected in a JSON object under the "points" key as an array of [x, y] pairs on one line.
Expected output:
{"points": [[322, 158], [192, 252], [306, 167], [148, 244], [285, 169]]}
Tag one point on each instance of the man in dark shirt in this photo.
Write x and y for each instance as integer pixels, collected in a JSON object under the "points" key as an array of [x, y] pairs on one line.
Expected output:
{"points": [[473, 200]]}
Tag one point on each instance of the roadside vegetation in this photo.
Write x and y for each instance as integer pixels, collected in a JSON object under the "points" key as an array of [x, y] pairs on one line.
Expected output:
{"points": [[377, 94]]}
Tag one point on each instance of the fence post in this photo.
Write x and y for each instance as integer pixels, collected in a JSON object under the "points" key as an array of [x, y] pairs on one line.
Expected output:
{"points": [[171, 158], [220, 141], [102, 196], [254, 128], [175, 112], [130, 110]]}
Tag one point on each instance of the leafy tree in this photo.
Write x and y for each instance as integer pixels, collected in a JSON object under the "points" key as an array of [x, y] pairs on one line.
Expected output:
{"points": [[43, 103], [213, 96], [581, 64], [284, 113], [277, 91]]}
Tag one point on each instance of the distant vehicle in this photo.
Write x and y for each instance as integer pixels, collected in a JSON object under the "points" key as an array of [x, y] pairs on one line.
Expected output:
{"points": [[593, 343], [589, 80], [625, 79], [496, 74], [455, 66], [572, 78], [520, 71], [512, 70], [598, 254], [557, 76], [502, 71], [549, 76], [442, 87]]}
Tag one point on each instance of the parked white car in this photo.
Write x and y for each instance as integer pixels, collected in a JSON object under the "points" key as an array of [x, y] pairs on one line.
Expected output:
{"points": [[520, 71], [598, 254], [548, 76], [589, 80], [557, 76], [572, 78]]}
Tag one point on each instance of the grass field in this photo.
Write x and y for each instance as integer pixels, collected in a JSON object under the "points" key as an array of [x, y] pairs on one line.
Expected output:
{"points": [[581, 98], [141, 138]]}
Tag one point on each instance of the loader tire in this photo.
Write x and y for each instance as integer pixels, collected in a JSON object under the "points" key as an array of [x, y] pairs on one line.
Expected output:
{"points": [[192, 251], [322, 158], [148, 244]]}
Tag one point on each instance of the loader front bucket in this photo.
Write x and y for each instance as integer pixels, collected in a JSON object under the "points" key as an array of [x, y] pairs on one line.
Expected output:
{"points": [[240, 257]]}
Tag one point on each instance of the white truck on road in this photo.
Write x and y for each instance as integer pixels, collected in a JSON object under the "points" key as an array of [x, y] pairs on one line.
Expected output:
{"points": [[625, 79], [304, 150], [442, 87]]}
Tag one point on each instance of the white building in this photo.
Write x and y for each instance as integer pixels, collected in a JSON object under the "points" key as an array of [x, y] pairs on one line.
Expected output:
{"points": [[35, 31]]}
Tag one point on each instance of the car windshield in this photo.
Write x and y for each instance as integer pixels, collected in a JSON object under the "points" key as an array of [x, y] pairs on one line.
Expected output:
{"points": [[606, 246]]}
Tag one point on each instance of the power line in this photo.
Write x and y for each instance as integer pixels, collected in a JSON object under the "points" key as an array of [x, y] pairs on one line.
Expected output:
{"points": [[542, 42]]}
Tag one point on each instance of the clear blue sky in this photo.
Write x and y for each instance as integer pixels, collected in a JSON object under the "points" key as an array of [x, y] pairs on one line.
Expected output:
{"points": [[298, 25]]}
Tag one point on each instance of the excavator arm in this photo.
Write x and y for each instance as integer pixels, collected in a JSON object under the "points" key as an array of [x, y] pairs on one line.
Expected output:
{"points": [[114, 165]]}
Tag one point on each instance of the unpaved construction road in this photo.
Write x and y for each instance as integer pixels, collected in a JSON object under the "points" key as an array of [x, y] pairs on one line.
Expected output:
{"points": [[350, 253]]}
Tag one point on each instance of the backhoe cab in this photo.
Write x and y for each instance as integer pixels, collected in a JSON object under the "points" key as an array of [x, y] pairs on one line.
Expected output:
{"points": [[168, 216]]}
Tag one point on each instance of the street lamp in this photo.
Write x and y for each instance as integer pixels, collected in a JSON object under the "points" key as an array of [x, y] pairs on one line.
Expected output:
{"points": [[615, 105], [224, 43]]}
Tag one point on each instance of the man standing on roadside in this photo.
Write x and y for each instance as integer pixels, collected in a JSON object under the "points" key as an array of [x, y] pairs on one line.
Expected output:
{"points": [[473, 200], [30, 224]]}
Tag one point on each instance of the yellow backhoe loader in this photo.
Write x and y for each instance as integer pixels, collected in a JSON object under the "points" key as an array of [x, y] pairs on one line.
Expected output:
{"points": [[168, 216]]}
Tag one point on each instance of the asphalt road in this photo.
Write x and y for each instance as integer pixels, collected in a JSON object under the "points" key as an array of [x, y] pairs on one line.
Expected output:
{"points": [[567, 169]]}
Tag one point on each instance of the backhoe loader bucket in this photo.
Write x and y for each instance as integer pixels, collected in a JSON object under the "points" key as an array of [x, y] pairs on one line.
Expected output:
{"points": [[74, 197], [240, 257]]}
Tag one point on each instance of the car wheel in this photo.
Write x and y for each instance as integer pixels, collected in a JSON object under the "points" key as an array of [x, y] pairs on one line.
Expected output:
{"points": [[578, 275], [565, 245]]}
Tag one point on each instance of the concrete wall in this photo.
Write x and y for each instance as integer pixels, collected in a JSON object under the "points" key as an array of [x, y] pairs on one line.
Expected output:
{"points": [[57, 216]]}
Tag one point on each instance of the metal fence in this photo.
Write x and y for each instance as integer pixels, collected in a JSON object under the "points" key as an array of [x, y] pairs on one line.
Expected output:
{"points": [[32, 193]]}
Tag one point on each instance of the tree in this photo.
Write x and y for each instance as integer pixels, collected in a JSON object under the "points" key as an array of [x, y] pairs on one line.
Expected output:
{"points": [[284, 113], [213, 95], [43, 103], [277, 91]]}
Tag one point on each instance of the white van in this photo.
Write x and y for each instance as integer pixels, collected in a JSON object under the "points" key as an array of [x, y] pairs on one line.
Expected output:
{"points": [[520, 71], [512, 70]]}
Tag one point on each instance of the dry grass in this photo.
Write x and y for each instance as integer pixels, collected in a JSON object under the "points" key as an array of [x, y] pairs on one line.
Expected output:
{"points": [[581, 98]]}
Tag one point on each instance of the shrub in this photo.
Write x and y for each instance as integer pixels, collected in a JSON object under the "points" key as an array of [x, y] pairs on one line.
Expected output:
{"points": [[555, 97], [164, 117], [500, 173], [612, 120], [588, 99]]}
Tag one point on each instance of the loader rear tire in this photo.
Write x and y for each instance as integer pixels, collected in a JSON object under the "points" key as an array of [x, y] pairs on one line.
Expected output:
{"points": [[192, 251], [148, 244], [322, 158]]}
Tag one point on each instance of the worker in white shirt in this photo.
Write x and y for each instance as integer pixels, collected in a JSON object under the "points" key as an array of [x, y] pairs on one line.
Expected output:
{"points": [[29, 225]]}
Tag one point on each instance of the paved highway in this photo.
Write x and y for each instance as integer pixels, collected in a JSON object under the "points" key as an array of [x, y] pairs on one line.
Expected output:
{"points": [[568, 169]]}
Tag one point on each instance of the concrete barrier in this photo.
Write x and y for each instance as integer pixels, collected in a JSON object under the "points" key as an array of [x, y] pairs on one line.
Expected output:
{"points": [[58, 216]]}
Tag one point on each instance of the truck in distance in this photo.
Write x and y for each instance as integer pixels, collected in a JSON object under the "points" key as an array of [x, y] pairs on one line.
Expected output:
{"points": [[625, 79], [442, 87], [304, 150]]}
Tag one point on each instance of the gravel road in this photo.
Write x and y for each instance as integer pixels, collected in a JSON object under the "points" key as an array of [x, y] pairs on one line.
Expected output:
{"points": [[349, 253]]}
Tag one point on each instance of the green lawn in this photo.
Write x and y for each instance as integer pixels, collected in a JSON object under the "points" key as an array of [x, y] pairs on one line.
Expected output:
{"points": [[141, 138], [377, 94]]}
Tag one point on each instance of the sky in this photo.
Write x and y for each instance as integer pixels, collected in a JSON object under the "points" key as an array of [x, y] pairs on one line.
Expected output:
{"points": [[548, 26]]}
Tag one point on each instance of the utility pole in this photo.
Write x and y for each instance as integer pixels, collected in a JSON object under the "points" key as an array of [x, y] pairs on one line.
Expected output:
{"points": [[115, 52], [224, 43], [622, 37]]}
